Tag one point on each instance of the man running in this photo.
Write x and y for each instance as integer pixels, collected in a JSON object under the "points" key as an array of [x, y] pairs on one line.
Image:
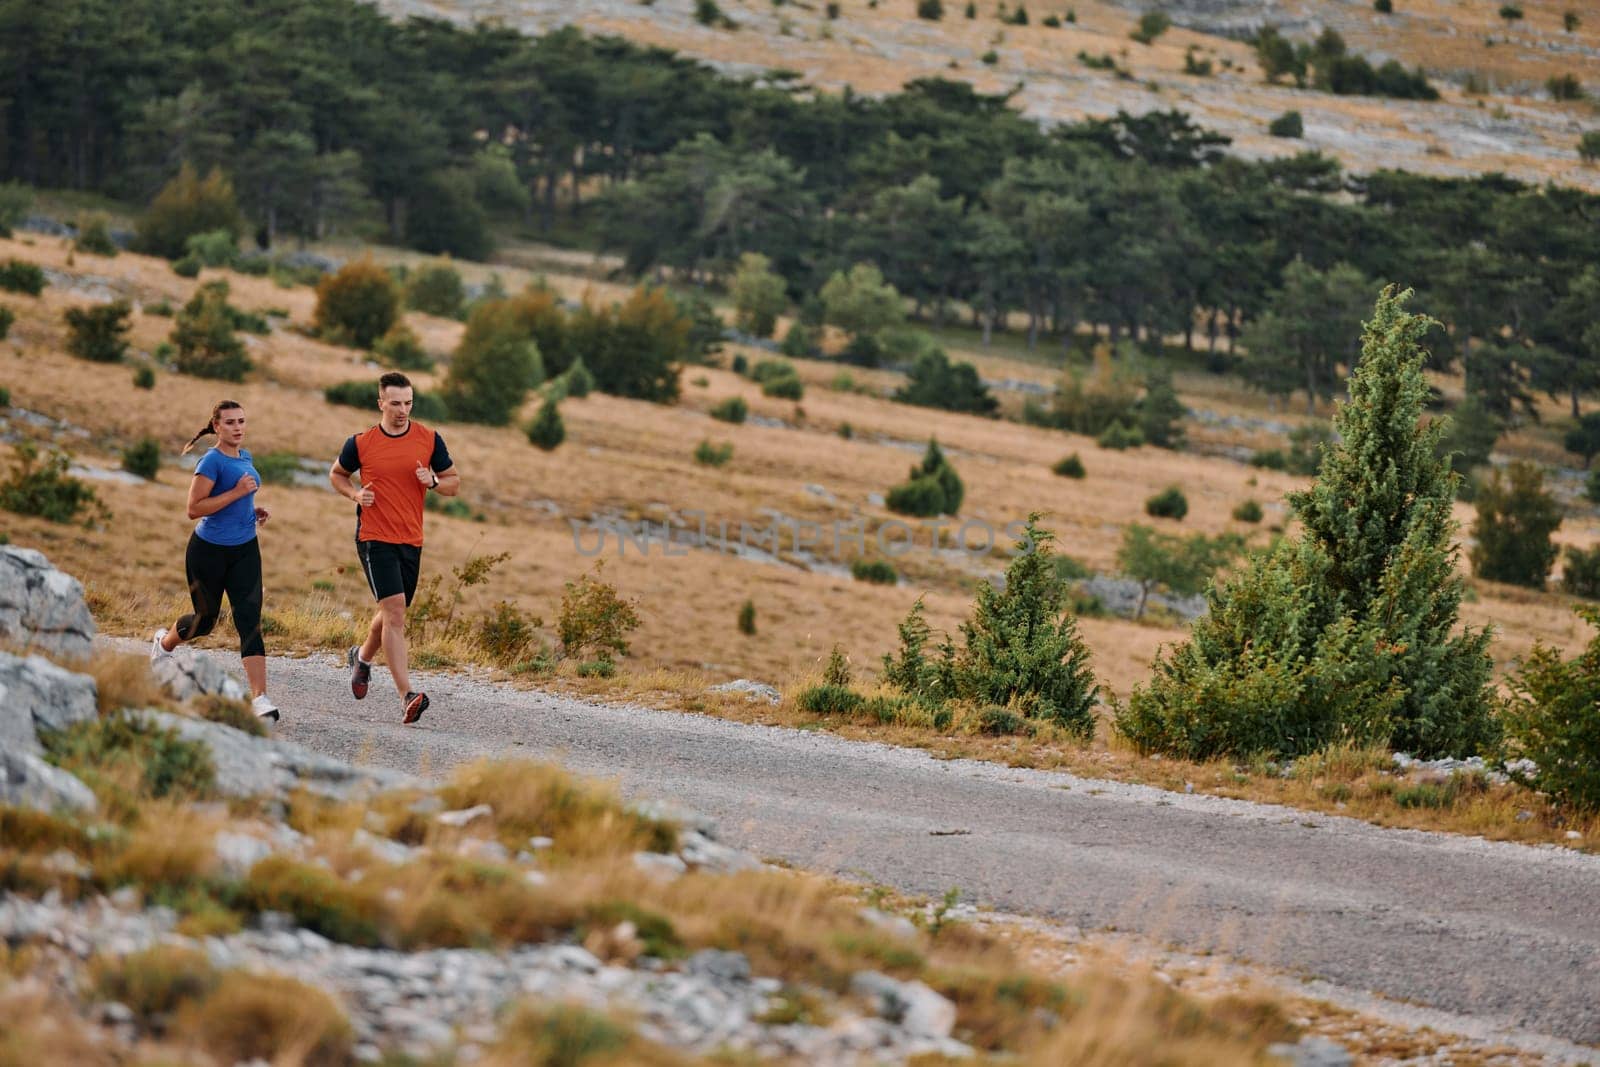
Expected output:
{"points": [[400, 462]]}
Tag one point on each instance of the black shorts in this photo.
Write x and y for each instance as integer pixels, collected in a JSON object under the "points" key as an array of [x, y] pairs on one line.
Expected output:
{"points": [[390, 569]]}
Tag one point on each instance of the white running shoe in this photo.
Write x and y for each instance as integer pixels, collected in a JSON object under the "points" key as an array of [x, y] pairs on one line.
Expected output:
{"points": [[156, 651], [264, 708]]}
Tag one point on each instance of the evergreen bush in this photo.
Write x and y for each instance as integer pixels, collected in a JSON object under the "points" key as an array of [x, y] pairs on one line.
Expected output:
{"points": [[1580, 573], [214, 248], [747, 618], [733, 409], [20, 276], [99, 333], [579, 382], [206, 346], [710, 455], [1247, 511], [143, 458], [494, 366], [1120, 436], [7, 319], [1289, 124], [435, 288], [547, 430], [876, 571], [94, 236], [932, 488], [1516, 517], [400, 349], [187, 266], [46, 489], [1069, 467], [1170, 503], [1348, 633], [1553, 719]]}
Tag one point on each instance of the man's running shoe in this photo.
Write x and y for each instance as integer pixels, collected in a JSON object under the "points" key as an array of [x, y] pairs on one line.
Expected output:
{"points": [[415, 705], [264, 708], [360, 673], [156, 651]]}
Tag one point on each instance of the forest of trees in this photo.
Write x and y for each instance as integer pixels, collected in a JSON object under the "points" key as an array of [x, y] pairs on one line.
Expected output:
{"points": [[327, 115]]}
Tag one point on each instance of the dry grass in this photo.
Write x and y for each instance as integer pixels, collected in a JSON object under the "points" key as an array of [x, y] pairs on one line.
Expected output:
{"points": [[268, 1017], [38, 1030], [155, 982], [557, 1034], [123, 680]]}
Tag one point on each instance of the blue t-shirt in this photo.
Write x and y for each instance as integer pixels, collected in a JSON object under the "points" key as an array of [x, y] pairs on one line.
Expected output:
{"points": [[236, 523]]}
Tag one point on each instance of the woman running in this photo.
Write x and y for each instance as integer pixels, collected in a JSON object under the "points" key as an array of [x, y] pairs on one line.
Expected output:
{"points": [[224, 555]]}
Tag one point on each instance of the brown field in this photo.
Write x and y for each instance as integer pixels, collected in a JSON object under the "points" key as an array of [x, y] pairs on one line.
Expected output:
{"points": [[1513, 127], [633, 460]]}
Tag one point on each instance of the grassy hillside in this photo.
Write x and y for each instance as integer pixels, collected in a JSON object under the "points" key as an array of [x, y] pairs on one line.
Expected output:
{"points": [[1495, 114]]}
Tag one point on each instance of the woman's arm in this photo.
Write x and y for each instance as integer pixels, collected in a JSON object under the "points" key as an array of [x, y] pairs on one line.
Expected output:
{"points": [[202, 503]]}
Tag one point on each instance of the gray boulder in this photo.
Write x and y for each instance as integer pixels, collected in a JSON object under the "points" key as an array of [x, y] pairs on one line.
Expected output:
{"points": [[256, 766], [42, 608], [918, 1009], [35, 695], [187, 672], [27, 781]]}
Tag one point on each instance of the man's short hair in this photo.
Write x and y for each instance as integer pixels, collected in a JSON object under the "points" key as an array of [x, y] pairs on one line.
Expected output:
{"points": [[394, 378]]}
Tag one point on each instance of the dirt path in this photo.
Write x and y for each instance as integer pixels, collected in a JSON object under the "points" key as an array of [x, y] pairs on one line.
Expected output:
{"points": [[1506, 934]]}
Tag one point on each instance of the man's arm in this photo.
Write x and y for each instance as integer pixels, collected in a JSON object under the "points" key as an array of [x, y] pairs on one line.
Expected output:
{"points": [[449, 481], [345, 487]]}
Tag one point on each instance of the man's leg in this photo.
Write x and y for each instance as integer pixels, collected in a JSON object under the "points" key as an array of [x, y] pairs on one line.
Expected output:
{"points": [[374, 642], [392, 617]]}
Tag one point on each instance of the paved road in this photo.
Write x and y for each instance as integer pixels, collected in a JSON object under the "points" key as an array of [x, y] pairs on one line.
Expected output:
{"points": [[1506, 934]]}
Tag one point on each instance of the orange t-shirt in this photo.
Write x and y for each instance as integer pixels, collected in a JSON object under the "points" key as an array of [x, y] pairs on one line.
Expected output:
{"points": [[388, 465]]}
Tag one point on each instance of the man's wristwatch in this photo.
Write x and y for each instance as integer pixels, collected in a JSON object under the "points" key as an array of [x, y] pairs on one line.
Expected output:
{"points": [[435, 484]]}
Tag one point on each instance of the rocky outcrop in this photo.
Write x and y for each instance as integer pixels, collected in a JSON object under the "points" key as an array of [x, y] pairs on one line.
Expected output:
{"points": [[256, 766], [42, 608], [36, 695], [187, 672], [29, 782]]}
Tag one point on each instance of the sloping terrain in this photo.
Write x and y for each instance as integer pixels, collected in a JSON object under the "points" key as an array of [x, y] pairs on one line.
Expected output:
{"points": [[1507, 123]]}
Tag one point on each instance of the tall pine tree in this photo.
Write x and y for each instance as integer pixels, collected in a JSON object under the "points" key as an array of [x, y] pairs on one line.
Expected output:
{"points": [[1349, 632]]}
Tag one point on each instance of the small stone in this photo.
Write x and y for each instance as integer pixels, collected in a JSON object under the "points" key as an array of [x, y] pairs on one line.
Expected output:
{"points": [[464, 816], [537, 843], [1574, 835], [477, 848], [660, 864], [236, 853]]}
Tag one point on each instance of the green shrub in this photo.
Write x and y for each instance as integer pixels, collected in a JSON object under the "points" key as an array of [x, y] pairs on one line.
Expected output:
{"points": [[123, 751], [94, 236], [733, 409], [759, 295], [1021, 648], [547, 430], [1516, 517], [1289, 124], [46, 489], [143, 458], [935, 382], [1580, 574], [790, 388], [1383, 7], [932, 10], [435, 288], [7, 319], [495, 363], [206, 346], [933, 488], [711, 455], [1152, 24], [20, 276], [214, 248], [446, 218], [594, 618], [400, 349], [278, 467], [186, 266], [1351, 632], [747, 618], [185, 206], [1247, 511], [5, 397], [876, 571], [828, 699], [351, 913], [579, 382], [638, 348], [1170, 503], [1119, 436], [1591, 487], [357, 304], [161, 309], [1069, 467], [1553, 718], [799, 341], [99, 333], [507, 632]]}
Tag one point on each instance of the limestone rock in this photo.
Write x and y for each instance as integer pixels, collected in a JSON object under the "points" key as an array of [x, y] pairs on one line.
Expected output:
{"points": [[35, 695], [29, 782], [188, 672], [918, 1009], [41, 607]]}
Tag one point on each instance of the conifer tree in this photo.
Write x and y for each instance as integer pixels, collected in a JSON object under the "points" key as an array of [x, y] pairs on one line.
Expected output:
{"points": [[547, 430], [1349, 631], [1022, 648]]}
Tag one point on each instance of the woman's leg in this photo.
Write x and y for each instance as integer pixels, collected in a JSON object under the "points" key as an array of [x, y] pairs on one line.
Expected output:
{"points": [[245, 597], [206, 566]]}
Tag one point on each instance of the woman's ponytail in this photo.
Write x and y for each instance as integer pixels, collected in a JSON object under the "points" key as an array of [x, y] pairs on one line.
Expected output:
{"points": [[210, 426]]}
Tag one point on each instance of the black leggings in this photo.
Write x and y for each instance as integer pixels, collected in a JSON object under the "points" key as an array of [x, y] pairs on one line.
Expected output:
{"points": [[217, 569]]}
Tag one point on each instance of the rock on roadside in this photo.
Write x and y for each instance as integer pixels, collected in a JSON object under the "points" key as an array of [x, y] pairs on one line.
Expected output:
{"points": [[35, 695], [42, 608]]}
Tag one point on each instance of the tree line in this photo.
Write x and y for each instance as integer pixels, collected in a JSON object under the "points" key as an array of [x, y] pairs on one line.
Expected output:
{"points": [[327, 113]]}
